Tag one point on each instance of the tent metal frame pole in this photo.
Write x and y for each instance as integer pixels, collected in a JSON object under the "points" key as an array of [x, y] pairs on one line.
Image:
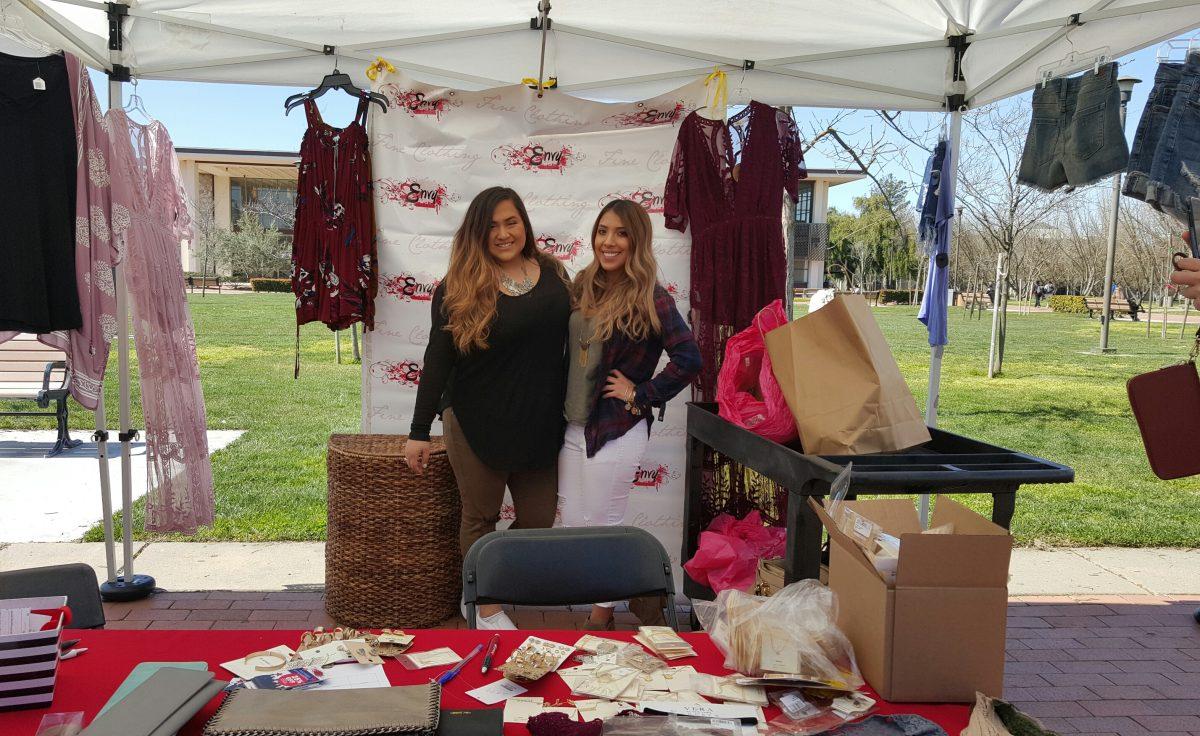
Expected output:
{"points": [[128, 586], [851, 53], [1088, 17], [92, 4], [435, 37], [101, 440], [717, 59], [202, 26], [63, 26], [841, 81]]}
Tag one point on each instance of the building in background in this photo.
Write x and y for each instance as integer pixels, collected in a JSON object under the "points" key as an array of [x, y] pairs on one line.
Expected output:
{"points": [[222, 183], [809, 237]]}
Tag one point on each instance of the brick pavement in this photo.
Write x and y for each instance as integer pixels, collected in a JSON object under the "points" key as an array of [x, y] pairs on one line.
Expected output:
{"points": [[1097, 665]]}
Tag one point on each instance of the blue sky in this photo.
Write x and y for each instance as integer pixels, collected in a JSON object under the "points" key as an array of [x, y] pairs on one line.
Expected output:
{"points": [[204, 115]]}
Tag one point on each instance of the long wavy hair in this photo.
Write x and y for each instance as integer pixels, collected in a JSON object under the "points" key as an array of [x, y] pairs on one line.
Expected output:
{"points": [[623, 303], [469, 304]]}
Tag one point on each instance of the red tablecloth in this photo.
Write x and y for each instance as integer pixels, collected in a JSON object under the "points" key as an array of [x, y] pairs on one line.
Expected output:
{"points": [[87, 681]]}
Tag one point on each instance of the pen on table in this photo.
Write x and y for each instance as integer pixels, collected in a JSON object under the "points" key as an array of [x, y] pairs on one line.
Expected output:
{"points": [[73, 653], [64, 646], [491, 651], [450, 674]]}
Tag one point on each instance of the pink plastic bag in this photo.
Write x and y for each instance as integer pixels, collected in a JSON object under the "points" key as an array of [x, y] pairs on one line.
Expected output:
{"points": [[747, 393], [730, 549]]}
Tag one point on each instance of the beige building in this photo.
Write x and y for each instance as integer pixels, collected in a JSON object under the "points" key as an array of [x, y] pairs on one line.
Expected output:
{"points": [[221, 183]]}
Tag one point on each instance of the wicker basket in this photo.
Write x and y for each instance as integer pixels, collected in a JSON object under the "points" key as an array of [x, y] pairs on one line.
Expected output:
{"points": [[392, 555]]}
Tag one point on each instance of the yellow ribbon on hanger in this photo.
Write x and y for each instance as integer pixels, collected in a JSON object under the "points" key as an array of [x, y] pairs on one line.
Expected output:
{"points": [[720, 97], [550, 83], [380, 66]]}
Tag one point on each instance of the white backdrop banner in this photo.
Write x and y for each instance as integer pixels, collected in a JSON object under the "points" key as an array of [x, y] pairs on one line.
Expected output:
{"points": [[438, 147]]}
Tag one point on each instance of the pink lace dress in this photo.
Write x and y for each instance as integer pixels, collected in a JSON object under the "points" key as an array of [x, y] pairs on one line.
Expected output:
{"points": [[179, 474], [738, 247]]}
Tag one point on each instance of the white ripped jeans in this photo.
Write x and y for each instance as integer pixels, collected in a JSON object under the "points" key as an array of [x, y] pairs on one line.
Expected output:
{"points": [[594, 491]]}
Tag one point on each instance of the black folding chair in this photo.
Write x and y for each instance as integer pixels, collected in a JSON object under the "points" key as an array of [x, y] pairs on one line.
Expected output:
{"points": [[563, 567], [76, 581]]}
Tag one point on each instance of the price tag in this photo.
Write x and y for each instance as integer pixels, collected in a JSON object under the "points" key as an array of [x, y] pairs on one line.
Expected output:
{"points": [[39, 84]]}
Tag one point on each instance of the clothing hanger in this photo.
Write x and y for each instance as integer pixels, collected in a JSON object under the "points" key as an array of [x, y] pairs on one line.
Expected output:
{"points": [[1073, 62], [1170, 51], [13, 27], [135, 105], [334, 80]]}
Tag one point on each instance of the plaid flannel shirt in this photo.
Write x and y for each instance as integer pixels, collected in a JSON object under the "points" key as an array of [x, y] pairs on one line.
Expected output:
{"points": [[636, 360]]}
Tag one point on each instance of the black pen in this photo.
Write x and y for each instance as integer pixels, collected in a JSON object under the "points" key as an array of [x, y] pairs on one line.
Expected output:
{"points": [[64, 646], [491, 650]]}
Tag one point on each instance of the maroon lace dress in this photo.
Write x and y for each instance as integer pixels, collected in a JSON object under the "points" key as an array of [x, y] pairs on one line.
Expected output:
{"points": [[738, 248], [334, 259]]}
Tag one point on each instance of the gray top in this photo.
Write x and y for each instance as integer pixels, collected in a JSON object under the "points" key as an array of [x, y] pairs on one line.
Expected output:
{"points": [[581, 376]]}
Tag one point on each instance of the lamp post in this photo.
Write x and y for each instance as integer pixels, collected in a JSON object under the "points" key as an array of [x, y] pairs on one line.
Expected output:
{"points": [[1126, 86]]}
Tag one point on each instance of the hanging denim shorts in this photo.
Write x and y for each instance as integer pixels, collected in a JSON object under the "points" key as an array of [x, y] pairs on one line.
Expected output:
{"points": [[1164, 167], [1075, 137]]}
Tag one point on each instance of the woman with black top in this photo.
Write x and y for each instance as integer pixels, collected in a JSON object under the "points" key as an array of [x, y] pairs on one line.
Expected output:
{"points": [[495, 369]]}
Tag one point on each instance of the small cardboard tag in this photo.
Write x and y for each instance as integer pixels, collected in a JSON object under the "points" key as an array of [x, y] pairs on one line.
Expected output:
{"points": [[361, 652], [39, 84]]}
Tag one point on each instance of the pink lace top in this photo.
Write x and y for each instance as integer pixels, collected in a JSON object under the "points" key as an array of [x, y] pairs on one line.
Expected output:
{"points": [[179, 478], [731, 194]]}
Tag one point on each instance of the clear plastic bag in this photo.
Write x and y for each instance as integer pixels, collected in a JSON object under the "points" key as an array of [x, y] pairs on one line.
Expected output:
{"points": [[804, 714], [673, 725], [60, 724], [792, 632]]}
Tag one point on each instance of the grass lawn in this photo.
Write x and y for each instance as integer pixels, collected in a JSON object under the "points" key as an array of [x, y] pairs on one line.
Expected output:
{"points": [[1055, 400]]}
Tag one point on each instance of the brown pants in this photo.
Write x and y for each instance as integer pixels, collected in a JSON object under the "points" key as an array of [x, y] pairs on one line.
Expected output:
{"points": [[534, 492]]}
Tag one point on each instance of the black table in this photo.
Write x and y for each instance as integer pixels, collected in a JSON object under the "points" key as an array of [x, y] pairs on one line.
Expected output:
{"points": [[949, 463]]}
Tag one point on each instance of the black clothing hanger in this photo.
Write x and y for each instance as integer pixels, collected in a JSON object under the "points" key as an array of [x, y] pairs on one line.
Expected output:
{"points": [[336, 80]]}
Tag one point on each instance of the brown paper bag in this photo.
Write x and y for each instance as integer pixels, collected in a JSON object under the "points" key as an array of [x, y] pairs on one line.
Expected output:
{"points": [[841, 382]]}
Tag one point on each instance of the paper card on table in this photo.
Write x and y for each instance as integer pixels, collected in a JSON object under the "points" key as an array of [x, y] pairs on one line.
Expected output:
{"points": [[591, 644], [575, 676], [779, 652], [400, 639], [671, 679], [497, 691], [354, 676], [520, 709], [324, 655], [555, 651], [724, 688], [607, 681], [683, 696], [250, 667], [431, 658], [361, 651], [590, 710], [707, 710], [633, 691]]}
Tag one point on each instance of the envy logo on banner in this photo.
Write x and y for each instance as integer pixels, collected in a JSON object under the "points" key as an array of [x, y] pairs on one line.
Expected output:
{"points": [[407, 373], [645, 116], [564, 250], [651, 477], [535, 157], [653, 203], [417, 103], [414, 194], [409, 288], [678, 292]]}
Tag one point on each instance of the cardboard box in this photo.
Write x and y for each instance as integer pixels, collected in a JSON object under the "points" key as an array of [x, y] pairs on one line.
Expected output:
{"points": [[937, 633]]}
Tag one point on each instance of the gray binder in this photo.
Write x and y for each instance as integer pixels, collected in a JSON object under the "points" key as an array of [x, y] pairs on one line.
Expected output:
{"points": [[160, 706]]}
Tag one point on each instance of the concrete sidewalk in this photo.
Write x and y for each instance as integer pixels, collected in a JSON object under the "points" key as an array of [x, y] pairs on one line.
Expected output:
{"points": [[186, 566]]}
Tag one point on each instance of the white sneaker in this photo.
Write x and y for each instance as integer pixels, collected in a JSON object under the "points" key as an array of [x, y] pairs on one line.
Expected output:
{"points": [[496, 622]]}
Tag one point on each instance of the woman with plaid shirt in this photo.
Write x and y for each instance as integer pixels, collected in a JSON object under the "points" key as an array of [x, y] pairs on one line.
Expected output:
{"points": [[622, 323]]}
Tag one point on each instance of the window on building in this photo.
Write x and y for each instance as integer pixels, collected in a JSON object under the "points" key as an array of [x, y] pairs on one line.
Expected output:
{"points": [[274, 200], [804, 203]]}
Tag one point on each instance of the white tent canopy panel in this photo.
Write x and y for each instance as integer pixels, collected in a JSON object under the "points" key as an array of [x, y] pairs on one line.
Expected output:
{"points": [[820, 53]]}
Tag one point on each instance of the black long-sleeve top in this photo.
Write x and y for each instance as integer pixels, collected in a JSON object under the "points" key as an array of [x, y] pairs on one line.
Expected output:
{"points": [[508, 399]]}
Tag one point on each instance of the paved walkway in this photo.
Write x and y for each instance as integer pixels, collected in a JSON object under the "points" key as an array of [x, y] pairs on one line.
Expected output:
{"points": [[182, 566]]}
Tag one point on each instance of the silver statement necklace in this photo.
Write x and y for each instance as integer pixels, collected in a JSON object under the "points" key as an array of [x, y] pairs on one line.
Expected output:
{"points": [[514, 287]]}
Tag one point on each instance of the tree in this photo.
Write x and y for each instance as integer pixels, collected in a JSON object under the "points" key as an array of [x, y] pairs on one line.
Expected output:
{"points": [[249, 250]]}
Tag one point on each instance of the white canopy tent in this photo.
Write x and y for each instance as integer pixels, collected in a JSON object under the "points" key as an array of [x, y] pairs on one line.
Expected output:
{"points": [[920, 55]]}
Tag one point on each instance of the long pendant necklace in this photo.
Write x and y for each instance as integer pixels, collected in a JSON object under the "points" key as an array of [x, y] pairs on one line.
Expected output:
{"points": [[514, 287]]}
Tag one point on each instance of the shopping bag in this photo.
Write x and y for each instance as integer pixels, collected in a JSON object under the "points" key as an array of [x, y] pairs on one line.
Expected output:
{"points": [[842, 383], [747, 393], [1166, 405]]}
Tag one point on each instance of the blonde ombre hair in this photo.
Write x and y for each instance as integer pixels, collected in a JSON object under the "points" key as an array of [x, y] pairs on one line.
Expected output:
{"points": [[469, 304], [624, 305]]}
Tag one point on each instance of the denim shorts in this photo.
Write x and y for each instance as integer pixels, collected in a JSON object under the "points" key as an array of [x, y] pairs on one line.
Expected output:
{"points": [[1165, 162], [1075, 136]]}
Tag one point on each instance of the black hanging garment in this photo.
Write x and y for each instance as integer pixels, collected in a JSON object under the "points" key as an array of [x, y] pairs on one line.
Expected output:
{"points": [[38, 291]]}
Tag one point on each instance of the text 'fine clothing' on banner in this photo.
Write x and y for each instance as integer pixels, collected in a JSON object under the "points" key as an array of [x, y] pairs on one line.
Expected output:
{"points": [[436, 148]]}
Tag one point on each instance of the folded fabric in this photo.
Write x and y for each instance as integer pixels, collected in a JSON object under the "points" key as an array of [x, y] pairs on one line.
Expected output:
{"points": [[411, 710], [728, 554], [160, 706]]}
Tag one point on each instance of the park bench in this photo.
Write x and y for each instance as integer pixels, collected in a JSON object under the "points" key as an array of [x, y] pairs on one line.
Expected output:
{"points": [[31, 371], [967, 298], [204, 282], [1095, 306]]}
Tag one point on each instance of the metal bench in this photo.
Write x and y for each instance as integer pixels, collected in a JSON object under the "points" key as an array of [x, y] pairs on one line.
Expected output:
{"points": [[204, 282], [1095, 306], [31, 371]]}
